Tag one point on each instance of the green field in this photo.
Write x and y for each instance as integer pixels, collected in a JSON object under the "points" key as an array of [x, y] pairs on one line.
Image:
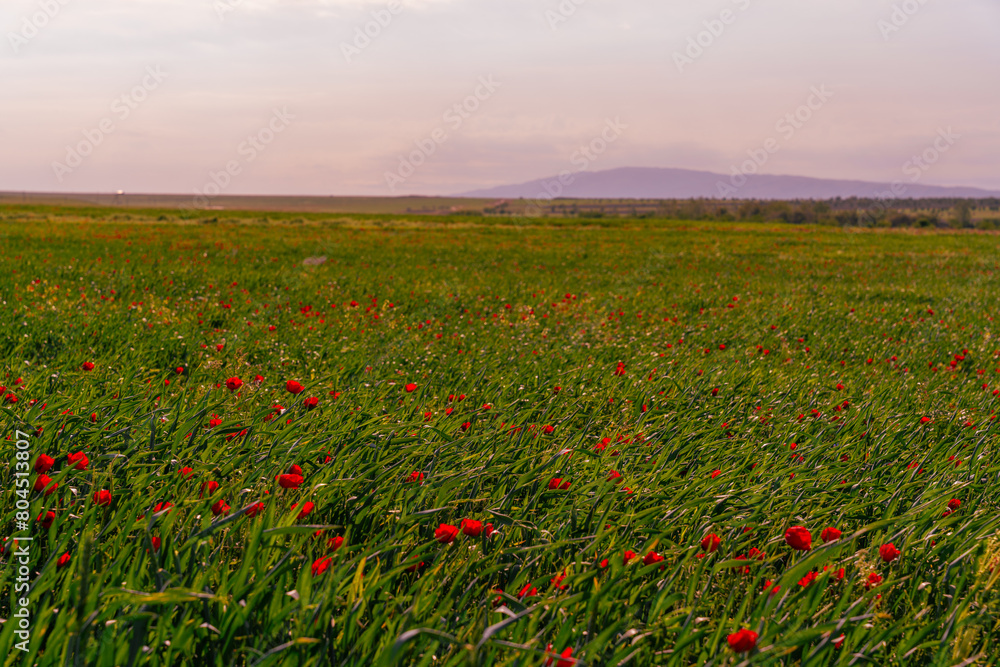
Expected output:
{"points": [[641, 410]]}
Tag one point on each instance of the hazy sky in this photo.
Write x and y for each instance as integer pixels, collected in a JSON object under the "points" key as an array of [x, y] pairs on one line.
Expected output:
{"points": [[330, 114]]}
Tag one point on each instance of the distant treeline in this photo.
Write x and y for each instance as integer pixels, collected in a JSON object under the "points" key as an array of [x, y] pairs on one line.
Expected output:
{"points": [[846, 212]]}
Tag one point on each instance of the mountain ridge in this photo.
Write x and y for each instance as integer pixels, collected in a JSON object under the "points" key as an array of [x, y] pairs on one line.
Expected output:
{"points": [[671, 183]]}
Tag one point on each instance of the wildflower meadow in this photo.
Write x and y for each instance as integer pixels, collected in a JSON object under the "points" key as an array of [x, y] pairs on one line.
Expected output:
{"points": [[398, 440]]}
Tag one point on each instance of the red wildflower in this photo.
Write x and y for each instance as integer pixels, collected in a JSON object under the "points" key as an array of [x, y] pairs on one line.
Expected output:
{"points": [[798, 538], [64, 559], [742, 641], [527, 591], [88, 365], [830, 534], [471, 527], [234, 383], [311, 402], [564, 658], [307, 507], [888, 552], [79, 459], [410, 388], [44, 463], [710, 543], [415, 476], [254, 510], [320, 565], [334, 543], [873, 580], [220, 507], [293, 387], [290, 481], [446, 533], [209, 486], [46, 518], [102, 497], [628, 556], [558, 483], [42, 483], [651, 557]]}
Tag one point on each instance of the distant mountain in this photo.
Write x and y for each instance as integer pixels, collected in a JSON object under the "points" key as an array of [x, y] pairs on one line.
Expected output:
{"points": [[653, 183]]}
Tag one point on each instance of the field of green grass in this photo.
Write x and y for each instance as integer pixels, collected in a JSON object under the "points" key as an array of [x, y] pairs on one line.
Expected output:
{"points": [[461, 441]]}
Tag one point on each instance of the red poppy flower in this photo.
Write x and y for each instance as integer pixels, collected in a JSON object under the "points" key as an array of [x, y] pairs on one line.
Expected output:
{"points": [[293, 387], [46, 518], [830, 534], [558, 483], [320, 565], [186, 472], [254, 510], [44, 463], [411, 387], [564, 659], [334, 543], [954, 504], [311, 402], [471, 527], [79, 459], [716, 473], [234, 383], [290, 481], [629, 556], [806, 581], [710, 543], [613, 475], [548, 430], [772, 585], [798, 538], [102, 497], [527, 591], [873, 580], [220, 507], [156, 542], [88, 365], [651, 557], [446, 533], [756, 554], [159, 507], [63, 561], [307, 507], [742, 641], [415, 476], [43, 483], [888, 552], [210, 487]]}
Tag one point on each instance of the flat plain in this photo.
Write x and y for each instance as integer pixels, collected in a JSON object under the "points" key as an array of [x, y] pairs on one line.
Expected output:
{"points": [[262, 439]]}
